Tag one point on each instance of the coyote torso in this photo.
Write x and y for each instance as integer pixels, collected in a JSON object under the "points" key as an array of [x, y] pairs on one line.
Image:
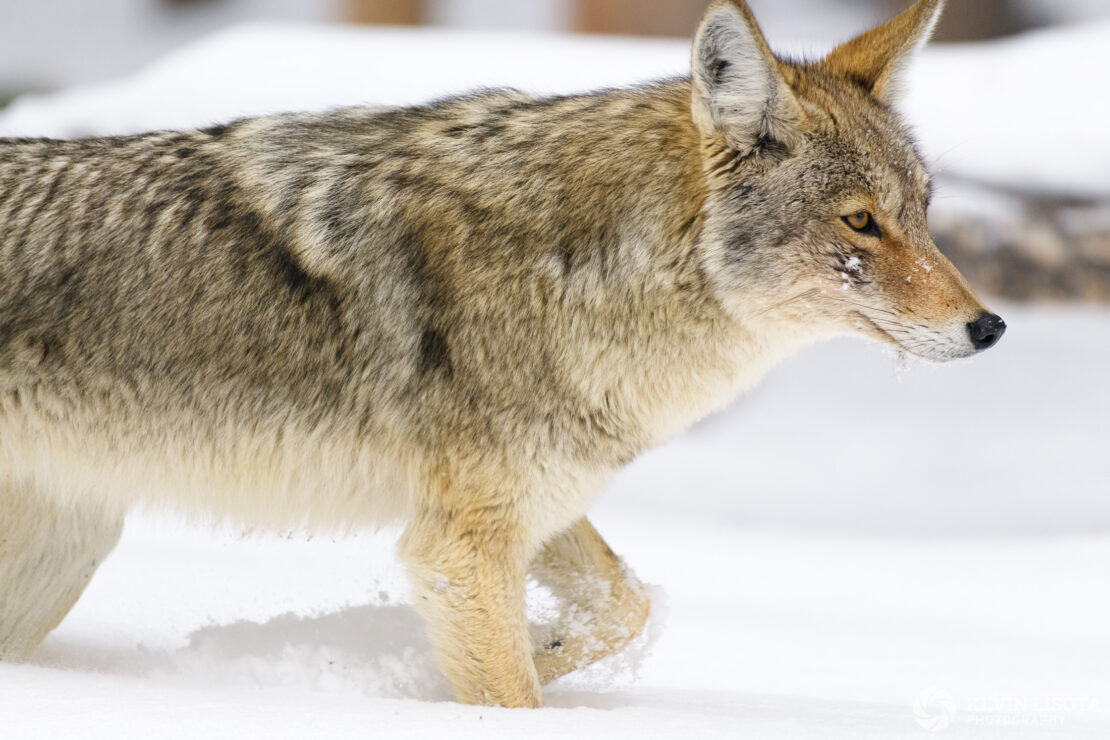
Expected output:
{"points": [[304, 307], [464, 316]]}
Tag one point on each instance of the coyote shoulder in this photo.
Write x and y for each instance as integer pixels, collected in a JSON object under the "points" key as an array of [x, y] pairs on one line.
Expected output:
{"points": [[465, 316]]}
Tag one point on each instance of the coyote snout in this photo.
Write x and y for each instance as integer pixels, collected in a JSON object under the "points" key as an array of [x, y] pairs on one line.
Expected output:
{"points": [[920, 304], [918, 301]]}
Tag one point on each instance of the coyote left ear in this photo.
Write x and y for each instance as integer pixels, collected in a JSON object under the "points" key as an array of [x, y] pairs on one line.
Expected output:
{"points": [[738, 90], [876, 59]]}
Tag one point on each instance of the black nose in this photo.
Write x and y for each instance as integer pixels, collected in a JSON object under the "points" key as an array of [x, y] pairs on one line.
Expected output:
{"points": [[986, 330]]}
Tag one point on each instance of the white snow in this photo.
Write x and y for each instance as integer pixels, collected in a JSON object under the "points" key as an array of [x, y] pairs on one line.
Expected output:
{"points": [[1022, 112], [849, 551]]}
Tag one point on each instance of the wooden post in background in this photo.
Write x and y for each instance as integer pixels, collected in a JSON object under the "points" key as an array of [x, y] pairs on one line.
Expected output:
{"points": [[967, 20], [964, 20], [973, 20], [639, 17], [387, 12]]}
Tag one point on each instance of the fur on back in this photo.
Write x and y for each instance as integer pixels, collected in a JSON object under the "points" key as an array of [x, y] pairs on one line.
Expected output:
{"points": [[255, 316]]}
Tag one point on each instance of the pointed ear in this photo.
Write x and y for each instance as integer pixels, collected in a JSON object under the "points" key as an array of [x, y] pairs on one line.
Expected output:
{"points": [[876, 59], [738, 89]]}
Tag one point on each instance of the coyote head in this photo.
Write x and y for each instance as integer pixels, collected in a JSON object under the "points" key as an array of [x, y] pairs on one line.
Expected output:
{"points": [[817, 197]]}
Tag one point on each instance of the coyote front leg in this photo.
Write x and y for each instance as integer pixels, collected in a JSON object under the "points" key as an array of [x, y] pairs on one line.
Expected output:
{"points": [[465, 554], [603, 606]]}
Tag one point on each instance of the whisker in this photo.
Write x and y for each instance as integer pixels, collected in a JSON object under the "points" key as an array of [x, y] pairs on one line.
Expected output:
{"points": [[894, 324], [860, 305], [806, 294]]}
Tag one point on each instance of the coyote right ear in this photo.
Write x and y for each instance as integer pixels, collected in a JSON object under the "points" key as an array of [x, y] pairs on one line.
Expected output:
{"points": [[738, 91]]}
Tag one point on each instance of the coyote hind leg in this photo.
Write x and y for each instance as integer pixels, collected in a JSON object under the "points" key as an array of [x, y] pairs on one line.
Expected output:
{"points": [[604, 608], [48, 553]]}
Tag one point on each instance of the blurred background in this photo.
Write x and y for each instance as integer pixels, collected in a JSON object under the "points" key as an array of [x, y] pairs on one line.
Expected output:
{"points": [[46, 45]]}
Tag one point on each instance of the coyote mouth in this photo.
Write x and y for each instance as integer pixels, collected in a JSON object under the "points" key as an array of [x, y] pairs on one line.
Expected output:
{"points": [[871, 322], [884, 333], [936, 348], [880, 330]]}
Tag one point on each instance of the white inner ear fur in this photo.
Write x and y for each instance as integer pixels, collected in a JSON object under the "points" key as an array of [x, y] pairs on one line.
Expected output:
{"points": [[737, 92]]}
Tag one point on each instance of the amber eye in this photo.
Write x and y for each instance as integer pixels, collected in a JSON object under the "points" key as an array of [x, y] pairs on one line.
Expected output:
{"points": [[860, 221], [863, 222]]}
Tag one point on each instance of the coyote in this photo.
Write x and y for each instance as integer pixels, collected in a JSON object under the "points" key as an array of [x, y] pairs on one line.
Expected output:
{"points": [[464, 316]]}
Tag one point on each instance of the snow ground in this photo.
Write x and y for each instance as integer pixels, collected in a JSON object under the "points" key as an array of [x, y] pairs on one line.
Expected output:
{"points": [[849, 551]]}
